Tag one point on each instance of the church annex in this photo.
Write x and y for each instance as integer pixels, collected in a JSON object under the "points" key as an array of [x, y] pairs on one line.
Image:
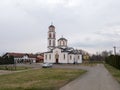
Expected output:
{"points": [[60, 53]]}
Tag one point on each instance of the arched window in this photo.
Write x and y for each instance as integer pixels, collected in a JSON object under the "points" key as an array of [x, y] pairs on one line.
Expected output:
{"points": [[54, 42], [63, 43], [49, 42], [54, 35], [60, 42], [70, 57], [49, 35], [50, 56], [64, 56]]}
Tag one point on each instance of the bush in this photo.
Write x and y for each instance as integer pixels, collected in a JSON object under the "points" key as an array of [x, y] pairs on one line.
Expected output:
{"points": [[6, 60]]}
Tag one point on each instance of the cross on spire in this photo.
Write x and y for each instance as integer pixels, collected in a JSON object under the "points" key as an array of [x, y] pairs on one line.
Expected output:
{"points": [[51, 23]]}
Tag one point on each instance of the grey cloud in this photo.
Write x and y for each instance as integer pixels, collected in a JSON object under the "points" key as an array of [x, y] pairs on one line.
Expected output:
{"points": [[95, 23]]}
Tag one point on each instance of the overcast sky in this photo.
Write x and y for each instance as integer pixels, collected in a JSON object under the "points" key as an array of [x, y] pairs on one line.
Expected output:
{"points": [[91, 25]]}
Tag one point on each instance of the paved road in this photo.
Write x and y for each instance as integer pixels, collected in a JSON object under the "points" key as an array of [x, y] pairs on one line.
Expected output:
{"points": [[97, 78]]}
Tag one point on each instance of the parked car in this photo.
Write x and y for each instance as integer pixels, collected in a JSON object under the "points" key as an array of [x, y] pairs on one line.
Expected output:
{"points": [[47, 65]]}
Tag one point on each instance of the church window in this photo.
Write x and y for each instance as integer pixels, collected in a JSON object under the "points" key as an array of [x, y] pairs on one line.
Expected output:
{"points": [[50, 35], [54, 35], [50, 42], [63, 43], [60, 42], [70, 57], [78, 57], [54, 42], [50, 56], [64, 56]]}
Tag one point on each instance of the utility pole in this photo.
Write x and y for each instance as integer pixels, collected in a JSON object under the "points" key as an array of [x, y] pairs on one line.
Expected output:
{"points": [[114, 50]]}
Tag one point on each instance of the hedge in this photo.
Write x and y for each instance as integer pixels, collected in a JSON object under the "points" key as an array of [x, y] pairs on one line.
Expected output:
{"points": [[113, 60]]}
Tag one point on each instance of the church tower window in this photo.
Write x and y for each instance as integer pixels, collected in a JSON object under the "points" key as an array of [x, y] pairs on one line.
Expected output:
{"points": [[50, 42], [54, 35], [49, 35]]}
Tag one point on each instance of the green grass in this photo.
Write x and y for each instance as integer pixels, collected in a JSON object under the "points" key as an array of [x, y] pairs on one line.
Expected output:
{"points": [[114, 71], [38, 79], [13, 68]]}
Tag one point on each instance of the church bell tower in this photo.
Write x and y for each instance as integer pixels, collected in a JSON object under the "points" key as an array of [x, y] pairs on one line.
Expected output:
{"points": [[51, 37]]}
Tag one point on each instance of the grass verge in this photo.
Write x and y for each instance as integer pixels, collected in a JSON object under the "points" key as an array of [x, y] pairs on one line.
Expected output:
{"points": [[91, 63], [114, 71], [38, 79]]}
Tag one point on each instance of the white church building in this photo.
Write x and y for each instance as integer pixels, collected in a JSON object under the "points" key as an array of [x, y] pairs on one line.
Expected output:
{"points": [[60, 53]]}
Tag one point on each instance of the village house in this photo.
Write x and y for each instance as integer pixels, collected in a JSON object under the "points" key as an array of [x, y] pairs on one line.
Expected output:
{"points": [[22, 57]]}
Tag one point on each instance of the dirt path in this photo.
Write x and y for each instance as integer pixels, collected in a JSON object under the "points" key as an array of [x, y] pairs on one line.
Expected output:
{"points": [[97, 78], [5, 72]]}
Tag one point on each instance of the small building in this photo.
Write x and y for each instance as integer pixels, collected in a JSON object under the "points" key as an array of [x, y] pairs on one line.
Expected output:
{"points": [[22, 57], [40, 58]]}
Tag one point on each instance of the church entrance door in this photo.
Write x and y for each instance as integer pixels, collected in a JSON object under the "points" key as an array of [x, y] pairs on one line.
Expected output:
{"points": [[56, 58], [56, 61]]}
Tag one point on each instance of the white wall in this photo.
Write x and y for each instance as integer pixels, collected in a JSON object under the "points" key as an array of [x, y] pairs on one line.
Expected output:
{"points": [[64, 58], [61, 59], [80, 59]]}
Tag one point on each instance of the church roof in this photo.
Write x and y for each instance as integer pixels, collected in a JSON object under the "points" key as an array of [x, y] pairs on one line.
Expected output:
{"points": [[68, 50]]}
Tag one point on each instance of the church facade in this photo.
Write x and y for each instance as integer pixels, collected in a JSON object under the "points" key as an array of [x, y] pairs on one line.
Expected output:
{"points": [[60, 53]]}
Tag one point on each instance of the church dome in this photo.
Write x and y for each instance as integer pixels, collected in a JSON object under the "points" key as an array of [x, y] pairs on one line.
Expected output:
{"points": [[62, 39], [62, 42], [51, 28]]}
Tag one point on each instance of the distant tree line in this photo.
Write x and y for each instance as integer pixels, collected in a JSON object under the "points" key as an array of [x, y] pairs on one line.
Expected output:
{"points": [[6, 60], [100, 56], [113, 60]]}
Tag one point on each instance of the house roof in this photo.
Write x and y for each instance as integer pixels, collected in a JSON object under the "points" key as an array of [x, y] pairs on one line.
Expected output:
{"points": [[40, 57], [20, 55]]}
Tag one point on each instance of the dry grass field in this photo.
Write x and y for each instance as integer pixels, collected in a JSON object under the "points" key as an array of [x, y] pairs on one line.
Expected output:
{"points": [[38, 79]]}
